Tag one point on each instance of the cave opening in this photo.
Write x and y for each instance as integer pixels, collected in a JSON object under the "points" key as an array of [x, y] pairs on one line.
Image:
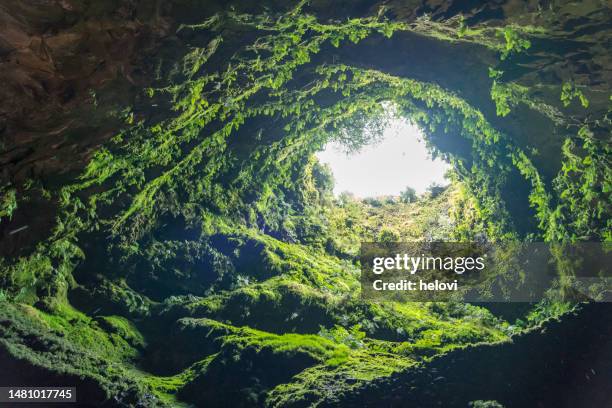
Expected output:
{"points": [[395, 161]]}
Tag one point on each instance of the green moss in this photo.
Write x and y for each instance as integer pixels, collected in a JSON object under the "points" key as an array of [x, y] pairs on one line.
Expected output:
{"points": [[8, 202], [68, 348], [114, 338], [329, 384], [320, 349], [124, 328], [217, 229], [166, 389]]}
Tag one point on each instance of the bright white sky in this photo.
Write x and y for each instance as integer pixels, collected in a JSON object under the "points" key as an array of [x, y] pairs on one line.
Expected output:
{"points": [[387, 168]]}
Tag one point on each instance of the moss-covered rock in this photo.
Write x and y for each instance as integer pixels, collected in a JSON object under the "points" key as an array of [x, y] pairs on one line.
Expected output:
{"points": [[168, 237]]}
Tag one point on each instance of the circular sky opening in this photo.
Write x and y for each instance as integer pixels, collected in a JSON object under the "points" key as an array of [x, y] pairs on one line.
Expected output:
{"points": [[399, 160]]}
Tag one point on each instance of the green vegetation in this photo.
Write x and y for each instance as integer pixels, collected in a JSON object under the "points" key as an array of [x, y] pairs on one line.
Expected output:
{"points": [[515, 42], [569, 92], [201, 257], [9, 202], [408, 195]]}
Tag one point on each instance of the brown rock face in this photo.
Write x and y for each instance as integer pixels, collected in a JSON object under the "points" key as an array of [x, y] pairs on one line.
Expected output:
{"points": [[65, 66], [57, 58]]}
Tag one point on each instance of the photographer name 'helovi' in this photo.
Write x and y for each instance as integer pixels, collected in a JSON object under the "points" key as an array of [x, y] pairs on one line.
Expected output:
{"points": [[409, 285]]}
